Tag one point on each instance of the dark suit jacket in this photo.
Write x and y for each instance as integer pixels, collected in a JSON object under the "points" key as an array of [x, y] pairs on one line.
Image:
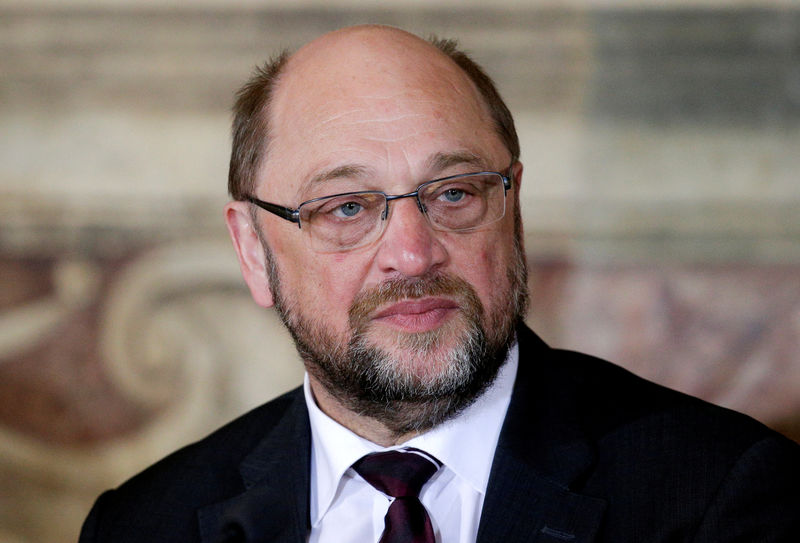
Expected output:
{"points": [[588, 452]]}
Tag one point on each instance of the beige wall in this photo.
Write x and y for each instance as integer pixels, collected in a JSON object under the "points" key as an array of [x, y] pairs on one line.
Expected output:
{"points": [[661, 201]]}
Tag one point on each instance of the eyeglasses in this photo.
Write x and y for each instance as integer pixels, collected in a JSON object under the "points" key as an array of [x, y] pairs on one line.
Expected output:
{"points": [[342, 222]]}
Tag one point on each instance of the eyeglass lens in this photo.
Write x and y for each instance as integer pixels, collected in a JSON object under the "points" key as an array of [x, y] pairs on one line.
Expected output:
{"points": [[347, 221]]}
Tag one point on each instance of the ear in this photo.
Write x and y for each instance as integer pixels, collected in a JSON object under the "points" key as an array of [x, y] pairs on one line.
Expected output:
{"points": [[250, 252]]}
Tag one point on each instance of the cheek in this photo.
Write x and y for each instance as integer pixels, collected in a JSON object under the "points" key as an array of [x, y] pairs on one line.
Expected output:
{"points": [[328, 284], [493, 276], [333, 276], [481, 264]]}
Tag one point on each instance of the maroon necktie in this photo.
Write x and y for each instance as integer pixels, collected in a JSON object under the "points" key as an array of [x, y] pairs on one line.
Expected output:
{"points": [[401, 474]]}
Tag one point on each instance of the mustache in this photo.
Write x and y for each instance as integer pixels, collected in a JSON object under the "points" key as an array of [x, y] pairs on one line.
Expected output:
{"points": [[394, 290]]}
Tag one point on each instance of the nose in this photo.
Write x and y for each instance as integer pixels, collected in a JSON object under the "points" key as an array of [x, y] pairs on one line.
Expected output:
{"points": [[409, 246]]}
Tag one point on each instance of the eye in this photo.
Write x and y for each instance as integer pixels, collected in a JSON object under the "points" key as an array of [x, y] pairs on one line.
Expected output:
{"points": [[453, 195], [347, 209], [344, 208]]}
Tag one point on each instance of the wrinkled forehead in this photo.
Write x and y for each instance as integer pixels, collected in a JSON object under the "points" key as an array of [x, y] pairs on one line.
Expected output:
{"points": [[367, 88]]}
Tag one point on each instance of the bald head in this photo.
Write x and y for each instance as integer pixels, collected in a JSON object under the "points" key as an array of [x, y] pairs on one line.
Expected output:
{"points": [[369, 55], [321, 78], [369, 61], [357, 45]]}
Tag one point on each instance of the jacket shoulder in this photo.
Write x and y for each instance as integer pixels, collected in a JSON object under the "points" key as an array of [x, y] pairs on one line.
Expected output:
{"points": [[164, 498], [614, 399], [604, 398], [669, 466]]}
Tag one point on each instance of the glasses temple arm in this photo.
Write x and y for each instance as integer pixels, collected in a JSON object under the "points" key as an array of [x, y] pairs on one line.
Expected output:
{"points": [[509, 175], [291, 215]]}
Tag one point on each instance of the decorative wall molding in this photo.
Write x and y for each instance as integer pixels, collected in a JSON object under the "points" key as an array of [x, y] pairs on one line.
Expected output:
{"points": [[179, 339]]}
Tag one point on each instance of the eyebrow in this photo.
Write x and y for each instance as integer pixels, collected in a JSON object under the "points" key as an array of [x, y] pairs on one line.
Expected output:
{"points": [[436, 163], [339, 172], [442, 161]]}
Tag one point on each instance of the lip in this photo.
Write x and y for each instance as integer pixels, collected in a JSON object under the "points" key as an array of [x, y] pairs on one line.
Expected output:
{"points": [[418, 315]]}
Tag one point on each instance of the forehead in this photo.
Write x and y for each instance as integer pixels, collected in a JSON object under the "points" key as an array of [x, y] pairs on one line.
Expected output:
{"points": [[385, 101]]}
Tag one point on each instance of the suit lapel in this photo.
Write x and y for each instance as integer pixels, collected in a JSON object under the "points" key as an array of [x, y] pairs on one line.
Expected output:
{"points": [[542, 457], [274, 505]]}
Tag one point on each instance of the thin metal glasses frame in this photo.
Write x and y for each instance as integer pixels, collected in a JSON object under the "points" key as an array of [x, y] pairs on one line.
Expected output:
{"points": [[293, 215]]}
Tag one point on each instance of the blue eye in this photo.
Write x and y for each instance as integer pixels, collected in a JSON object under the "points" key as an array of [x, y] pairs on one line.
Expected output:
{"points": [[350, 209], [453, 195]]}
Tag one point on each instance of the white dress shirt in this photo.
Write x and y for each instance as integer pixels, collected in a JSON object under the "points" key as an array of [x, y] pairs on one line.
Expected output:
{"points": [[345, 508]]}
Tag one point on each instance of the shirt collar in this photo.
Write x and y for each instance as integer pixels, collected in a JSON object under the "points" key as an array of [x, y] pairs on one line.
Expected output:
{"points": [[335, 448]]}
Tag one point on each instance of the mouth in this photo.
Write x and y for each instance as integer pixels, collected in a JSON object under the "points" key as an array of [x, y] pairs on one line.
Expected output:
{"points": [[418, 315]]}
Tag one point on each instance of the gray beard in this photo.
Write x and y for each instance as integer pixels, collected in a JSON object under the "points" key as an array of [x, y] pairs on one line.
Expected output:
{"points": [[371, 382], [405, 404]]}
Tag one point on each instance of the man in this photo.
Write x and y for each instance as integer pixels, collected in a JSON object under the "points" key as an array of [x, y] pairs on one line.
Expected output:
{"points": [[376, 180]]}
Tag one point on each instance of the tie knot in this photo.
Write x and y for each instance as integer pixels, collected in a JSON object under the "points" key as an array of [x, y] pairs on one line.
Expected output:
{"points": [[399, 473]]}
